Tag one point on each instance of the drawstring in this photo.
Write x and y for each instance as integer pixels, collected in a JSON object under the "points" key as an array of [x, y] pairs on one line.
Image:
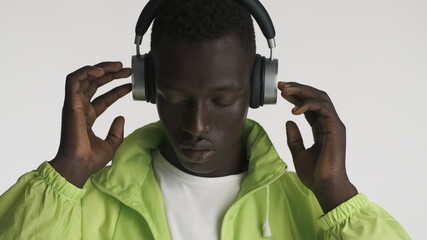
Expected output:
{"points": [[266, 227]]}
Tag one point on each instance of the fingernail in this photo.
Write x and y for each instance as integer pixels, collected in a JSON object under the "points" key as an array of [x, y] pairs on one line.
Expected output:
{"points": [[288, 85], [100, 69], [294, 109]]}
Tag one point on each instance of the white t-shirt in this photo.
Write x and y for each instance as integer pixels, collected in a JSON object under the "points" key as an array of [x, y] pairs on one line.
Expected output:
{"points": [[195, 206]]}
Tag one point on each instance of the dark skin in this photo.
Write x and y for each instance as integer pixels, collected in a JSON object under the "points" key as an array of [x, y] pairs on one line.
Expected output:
{"points": [[81, 153], [195, 114], [322, 166], [203, 96]]}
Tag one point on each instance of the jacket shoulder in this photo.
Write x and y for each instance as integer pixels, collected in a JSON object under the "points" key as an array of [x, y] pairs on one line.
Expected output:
{"points": [[295, 192], [291, 183]]}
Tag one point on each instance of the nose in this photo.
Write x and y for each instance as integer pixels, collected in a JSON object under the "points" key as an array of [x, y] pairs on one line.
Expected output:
{"points": [[198, 120]]}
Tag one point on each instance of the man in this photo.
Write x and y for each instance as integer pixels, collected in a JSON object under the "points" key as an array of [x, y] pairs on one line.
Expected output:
{"points": [[203, 171]]}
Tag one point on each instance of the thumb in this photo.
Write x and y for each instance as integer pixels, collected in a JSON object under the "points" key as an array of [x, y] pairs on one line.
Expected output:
{"points": [[115, 134], [295, 142]]}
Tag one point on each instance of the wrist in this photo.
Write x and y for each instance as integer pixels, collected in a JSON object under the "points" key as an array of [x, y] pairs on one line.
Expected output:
{"points": [[333, 194], [70, 169]]}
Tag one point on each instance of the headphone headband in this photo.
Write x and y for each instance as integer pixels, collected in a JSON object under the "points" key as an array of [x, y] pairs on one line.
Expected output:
{"points": [[255, 8], [264, 71]]}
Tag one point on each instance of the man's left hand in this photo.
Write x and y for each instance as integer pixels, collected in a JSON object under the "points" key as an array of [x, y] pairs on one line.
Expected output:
{"points": [[322, 166]]}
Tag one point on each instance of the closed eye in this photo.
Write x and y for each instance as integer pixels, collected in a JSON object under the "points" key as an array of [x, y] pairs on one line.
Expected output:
{"points": [[177, 101], [173, 99], [223, 103]]}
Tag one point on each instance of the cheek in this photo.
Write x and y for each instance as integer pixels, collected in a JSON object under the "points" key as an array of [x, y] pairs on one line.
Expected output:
{"points": [[168, 117], [229, 117], [229, 124]]}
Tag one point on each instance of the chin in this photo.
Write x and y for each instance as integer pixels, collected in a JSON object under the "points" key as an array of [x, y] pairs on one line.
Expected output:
{"points": [[199, 169]]}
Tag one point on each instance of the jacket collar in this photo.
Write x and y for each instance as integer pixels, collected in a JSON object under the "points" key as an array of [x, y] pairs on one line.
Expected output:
{"points": [[131, 180], [264, 162]]}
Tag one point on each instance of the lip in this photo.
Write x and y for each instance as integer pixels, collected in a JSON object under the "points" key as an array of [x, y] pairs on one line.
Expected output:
{"points": [[197, 145], [197, 151], [197, 156]]}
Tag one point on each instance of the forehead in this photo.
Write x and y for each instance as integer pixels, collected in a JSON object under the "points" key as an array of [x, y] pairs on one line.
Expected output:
{"points": [[205, 65]]}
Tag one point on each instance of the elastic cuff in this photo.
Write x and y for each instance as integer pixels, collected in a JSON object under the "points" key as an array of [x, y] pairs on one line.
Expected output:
{"points": [[343, 212], [58, 183]]}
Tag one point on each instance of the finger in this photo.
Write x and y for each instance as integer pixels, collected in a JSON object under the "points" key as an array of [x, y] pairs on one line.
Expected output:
{"points": [[292, 99], [302, 161], [96, 83], [89, 113], [75, 80], [85, 72], [110, 66], [104, 101], [123, 73], [281, 84], [295, 142], [115, 134], [323, 107], [301, 91]]}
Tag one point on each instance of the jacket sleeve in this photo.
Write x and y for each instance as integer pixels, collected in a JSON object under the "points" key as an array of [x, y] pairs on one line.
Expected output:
{"points": [[41, 205], [358, 218]]}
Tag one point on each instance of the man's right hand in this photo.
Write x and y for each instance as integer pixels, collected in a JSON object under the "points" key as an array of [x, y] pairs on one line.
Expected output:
{"points": [[81, 153]]}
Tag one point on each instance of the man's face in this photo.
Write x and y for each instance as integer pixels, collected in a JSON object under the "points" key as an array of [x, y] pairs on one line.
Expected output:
{"points": [[203, 92]]}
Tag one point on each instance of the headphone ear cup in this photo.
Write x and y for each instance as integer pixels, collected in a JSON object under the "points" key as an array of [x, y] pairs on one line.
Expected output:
{"points": [[149, 79], [138, 77], [257, 82], [270, 82]]}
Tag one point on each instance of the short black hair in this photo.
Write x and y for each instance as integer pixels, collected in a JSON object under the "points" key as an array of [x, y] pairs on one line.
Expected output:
{"points": [[201, 20]]}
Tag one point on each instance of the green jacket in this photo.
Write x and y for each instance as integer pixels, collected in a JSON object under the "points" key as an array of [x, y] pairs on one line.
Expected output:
{"points": [[123, 201]]}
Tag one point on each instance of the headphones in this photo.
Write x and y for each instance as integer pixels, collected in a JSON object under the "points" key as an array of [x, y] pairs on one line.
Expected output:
{"points": [[264, 71]]}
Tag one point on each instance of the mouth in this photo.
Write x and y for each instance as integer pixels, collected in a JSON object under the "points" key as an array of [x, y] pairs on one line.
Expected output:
{"points": [[198, 155], [197, 151]]}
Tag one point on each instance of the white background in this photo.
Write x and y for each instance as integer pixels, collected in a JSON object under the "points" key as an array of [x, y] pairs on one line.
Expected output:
{"points": [[370, 56]]}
